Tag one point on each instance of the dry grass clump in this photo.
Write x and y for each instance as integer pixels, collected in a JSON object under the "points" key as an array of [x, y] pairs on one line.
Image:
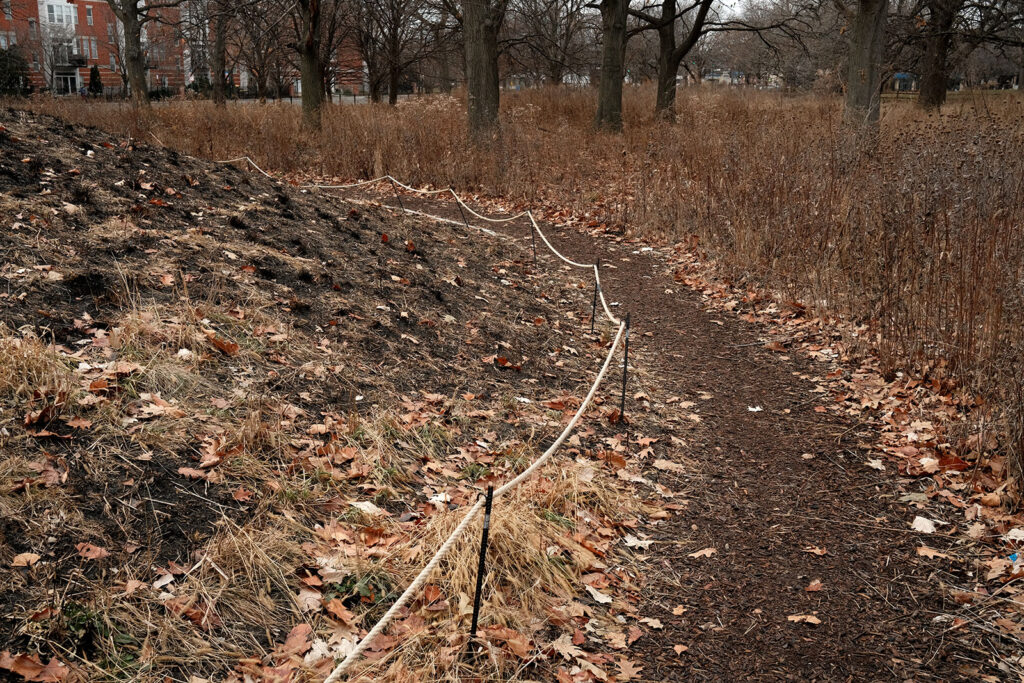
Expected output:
{"points": [[31, 369], [535, 566]]}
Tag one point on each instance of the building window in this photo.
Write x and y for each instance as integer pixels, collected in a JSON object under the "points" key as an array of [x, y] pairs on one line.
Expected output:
{"points": [[110, 32], [88, 15], [61, 14], [32, 29], [35, 61], [113, 64], [95, 49], [8, 15]]}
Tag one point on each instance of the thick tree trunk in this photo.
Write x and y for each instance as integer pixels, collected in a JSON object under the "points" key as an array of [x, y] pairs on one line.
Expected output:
{"points": [[219, 57], [134, 57], [393, 85], [609, 94], [310, 67], [864, 73], [935, 77], [481, 22], [1020, 71], [668, 70]]}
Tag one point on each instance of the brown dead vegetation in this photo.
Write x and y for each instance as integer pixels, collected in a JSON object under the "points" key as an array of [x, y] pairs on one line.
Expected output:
{"points": [[919, 244]]}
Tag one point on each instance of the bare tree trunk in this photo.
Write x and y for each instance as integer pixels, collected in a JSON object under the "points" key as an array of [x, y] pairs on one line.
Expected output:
{"points": [[310, 66], [219, 57], [375, 88], [936, 66], [393, 85], [864, 73], [609, 95], [1020, 71], [481, 22], [668, 69], [134, 57], [670, 55]]}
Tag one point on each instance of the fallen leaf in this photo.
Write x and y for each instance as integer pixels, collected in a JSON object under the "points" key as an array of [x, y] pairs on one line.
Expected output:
{"points": [[680, 649], [707, 552], [931, 553], [653, 623], [91, 552], [367, 507], [228, 347], [309, 600], [296, 643], [814, 586], [925, 526], [632, 541], [598, 595], [804, 618], [337, 609], [627, 670], [78, 423], [31, 668], [24, 560], [563, 646]]}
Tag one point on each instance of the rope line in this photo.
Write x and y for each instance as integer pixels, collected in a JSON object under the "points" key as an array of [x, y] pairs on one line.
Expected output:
{"points": [[463, 204], [485, 218], [251, 162], [427, 570], [475, 509]]}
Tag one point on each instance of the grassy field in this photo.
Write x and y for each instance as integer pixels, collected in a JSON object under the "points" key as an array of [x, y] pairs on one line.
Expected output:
{"points": [[918, 244]]}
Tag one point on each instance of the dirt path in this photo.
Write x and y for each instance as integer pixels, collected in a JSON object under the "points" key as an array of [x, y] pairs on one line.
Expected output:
{"points": [[782, 495]]}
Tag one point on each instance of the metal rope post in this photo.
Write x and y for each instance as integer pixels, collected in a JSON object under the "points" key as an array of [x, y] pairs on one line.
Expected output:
{"points": [[597, 286], [397, 196], [480, 566], [461, 212], [533, 240], [625, 370]]}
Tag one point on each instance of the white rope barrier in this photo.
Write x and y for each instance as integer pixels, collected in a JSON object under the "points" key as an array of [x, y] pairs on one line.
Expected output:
{"points": [[251, 163], [473, 511], [427, 570], [464, 205], [485, 218]]}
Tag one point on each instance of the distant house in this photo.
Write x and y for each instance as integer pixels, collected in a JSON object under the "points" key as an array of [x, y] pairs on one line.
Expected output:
{"points": [[62, 40], [903, 81]]}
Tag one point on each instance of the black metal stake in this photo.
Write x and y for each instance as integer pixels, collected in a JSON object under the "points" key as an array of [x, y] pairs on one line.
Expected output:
{"points": [[397, 196], [597, 286], [480, 566], [625, 370], [533, 240], [459, 204]]}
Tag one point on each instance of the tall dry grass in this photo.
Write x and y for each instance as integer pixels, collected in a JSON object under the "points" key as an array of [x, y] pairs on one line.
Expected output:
{"points": [[921, 240]]}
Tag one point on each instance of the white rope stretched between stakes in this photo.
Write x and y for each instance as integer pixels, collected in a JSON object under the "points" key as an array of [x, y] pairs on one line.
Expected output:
{"points": [[459, 200], [440, 219], [427, 570], [466, 206]]}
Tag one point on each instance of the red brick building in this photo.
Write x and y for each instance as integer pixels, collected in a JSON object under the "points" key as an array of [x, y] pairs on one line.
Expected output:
{"points": [[63, 39]]}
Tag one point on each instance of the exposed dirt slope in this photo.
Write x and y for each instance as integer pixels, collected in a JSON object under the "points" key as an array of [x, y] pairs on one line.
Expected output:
{"points": [[234, 417]]}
